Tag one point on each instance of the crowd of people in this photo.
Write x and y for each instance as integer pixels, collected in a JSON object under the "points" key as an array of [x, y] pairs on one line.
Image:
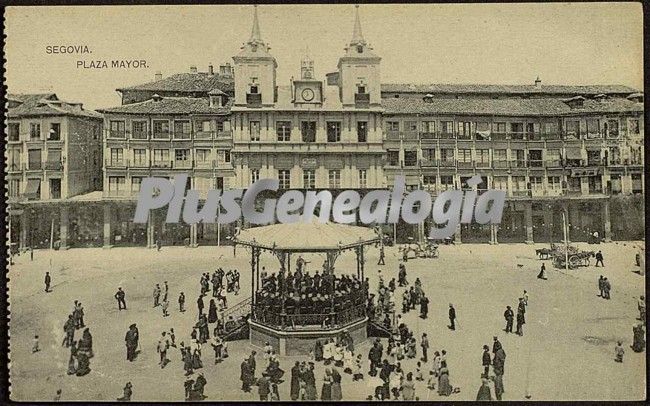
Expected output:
{"points": [[81, 351]]}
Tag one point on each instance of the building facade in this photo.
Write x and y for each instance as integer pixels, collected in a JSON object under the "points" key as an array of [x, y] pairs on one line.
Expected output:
{"points": [[573, 152], [53, 153]]}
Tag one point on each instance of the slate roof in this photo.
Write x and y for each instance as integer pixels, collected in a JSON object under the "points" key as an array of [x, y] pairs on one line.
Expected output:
{"points": [[170, 105], [505, 89], [46, 104], [187, 82], [505, 107]]}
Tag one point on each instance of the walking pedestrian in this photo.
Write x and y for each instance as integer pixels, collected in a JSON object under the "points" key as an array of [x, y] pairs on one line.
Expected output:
{"points": [[156, 295], [163, 345], [48, 281], [509, 315], [599, 259], [607, 287], [120, 296], [165, 291], [165, 306], [424, 343], [601, 286], [452, 317], [619, 351], [181, 302], [381, 255], [131, 340], [487, 361]]}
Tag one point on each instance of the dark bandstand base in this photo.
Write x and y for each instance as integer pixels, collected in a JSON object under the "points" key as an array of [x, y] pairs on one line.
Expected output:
{"points": [[300, 342]]}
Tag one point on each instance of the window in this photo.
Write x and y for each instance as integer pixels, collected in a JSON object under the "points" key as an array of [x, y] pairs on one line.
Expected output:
{"points": [[116, 184], [283, 130], [117, 129], [499, 128], [182, 156], [284, 176], [205, 125], [362, 131], [55, 132], [553, 157], [253, 88], [410, 126], [573, 129], [161, 158], [309, 179], [392, 126], [160, 129], [612, 129], [633, 127], [14, 187], [429, 154], [117, 156], [136, 181], [429, 127], [363, 178], [139, 157], [361, 88], [637, 183], [533, 129], [500, 155], [55, 188], [34, 131], [482, 158], [410, 158], [14, 131], [429, 180], [519, 183], [202, 156], [255, 175], [593, 128], [393, 158], [500, 183], [465, 130], [536, 182], [614, 156], [96, 130], [334, 179], [224, 155], [447, 127], [182, 129], [575, 184], [516, 129], [615, 187], [139, 130], [333, 131], [465, 155], [446, 182], [447, 155], [308, 131], [255, 130], [554, 182]]}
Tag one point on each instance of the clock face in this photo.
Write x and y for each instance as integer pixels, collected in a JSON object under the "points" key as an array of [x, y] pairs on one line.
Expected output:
{"points": [[307, 94]]}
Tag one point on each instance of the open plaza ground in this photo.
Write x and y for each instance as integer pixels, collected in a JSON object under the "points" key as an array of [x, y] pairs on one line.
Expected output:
{"points": [[566, 352]]}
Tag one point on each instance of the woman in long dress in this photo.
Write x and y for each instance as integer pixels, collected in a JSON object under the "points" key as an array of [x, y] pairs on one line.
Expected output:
{"points": [[395, 381], [328, 352], [326, 390], [408, 387], [310, 381], [86, 343], [337, 393], [72, 367], [444, 387], [318, 351], [212, 312]]}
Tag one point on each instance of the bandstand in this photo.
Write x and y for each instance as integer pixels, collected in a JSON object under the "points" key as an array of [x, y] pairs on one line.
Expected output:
{"points": [[289, 309]]}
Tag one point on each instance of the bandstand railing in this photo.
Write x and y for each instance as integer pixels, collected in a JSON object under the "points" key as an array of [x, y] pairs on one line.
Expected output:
{"points": [[322, 321]]}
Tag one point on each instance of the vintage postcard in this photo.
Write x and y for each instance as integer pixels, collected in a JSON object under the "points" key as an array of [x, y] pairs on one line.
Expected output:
{"points": [[419, 202]]}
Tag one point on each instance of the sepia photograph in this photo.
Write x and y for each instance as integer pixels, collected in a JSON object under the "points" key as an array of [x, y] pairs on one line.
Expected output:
{"points": [[325, 202]]}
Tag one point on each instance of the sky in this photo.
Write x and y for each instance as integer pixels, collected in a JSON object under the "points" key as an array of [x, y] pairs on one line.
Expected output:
{"points": [[562, 43]]}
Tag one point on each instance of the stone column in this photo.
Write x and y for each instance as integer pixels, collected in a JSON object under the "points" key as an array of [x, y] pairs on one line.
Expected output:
{"points": [[63, 227], [528, 221], [494, 228], [457, 239], [565, 210], [151, 239], [548, 220], [608, 224], [108, 218], [24, 230], [194, 235]]}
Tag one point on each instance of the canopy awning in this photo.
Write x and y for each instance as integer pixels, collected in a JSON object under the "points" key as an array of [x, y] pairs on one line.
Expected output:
{"points": [[32, 189], [307, 237]]}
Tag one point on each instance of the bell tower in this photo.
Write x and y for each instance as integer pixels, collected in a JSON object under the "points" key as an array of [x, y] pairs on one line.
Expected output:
{"points": [[359, 71], [255, 70]]}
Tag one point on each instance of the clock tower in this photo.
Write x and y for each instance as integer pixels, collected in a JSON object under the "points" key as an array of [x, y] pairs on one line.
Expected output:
{"points": [[359, 78], [307, 90], [255, 71]]}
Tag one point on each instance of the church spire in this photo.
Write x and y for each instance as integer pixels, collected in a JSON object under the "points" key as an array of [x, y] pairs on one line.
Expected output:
{"points": [[256, 36], [357, 36]]}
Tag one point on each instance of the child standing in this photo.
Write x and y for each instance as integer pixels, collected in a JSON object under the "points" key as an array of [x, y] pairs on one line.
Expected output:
{"points": [[35, 347]]}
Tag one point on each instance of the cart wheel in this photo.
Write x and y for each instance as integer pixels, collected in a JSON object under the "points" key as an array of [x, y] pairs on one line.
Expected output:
{"points": [[574, 261]]}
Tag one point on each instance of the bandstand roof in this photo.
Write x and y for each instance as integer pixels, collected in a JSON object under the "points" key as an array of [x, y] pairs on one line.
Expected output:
{"points": [[307, 237]]}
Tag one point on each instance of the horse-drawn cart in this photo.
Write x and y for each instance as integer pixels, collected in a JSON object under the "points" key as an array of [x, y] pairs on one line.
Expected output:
{"points": [[416, 250], [576, 258]]}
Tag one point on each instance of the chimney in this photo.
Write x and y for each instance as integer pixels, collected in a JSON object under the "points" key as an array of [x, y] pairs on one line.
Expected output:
{"points": [[538, 83], [193, 69], [158, 76], [210, 69]]}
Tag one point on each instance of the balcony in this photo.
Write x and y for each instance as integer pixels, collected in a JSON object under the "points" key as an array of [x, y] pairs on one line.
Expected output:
{"points": [[553, 163], [361, 100], [183, 164], [517, 136], [203, 135], [254, 99], [573, 192], [465, 165], [534, 136], [519, 163], [182, 135], [392, 135], [447, 163], [139, 135], [161, 135], [115, 163], [54, 165], [116, 134], [482, 165], [500, 164], [161, 164], [446, 136], [536, 163], [594, 135], [428, 163], [428, 136], [521, 193]]}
